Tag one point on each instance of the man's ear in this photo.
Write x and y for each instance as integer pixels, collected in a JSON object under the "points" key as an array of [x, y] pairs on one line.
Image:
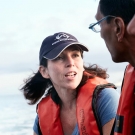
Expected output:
{"points": [[119, 28], [44, 72]]}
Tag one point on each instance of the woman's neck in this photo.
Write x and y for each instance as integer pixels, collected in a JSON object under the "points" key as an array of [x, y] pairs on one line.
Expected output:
{"points": [[67, 99]]}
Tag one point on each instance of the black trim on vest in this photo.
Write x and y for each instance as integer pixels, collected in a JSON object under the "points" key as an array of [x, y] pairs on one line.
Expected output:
{"points": [[123, 78], [134, 126], [97, 90], [119, 124]]}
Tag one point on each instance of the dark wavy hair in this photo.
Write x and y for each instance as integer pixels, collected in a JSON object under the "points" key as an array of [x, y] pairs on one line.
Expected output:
{"points": [[120, 8], [36, 86]]}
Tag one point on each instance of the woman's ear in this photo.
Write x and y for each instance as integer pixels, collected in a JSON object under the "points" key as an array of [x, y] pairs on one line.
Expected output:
{"points": [[119, 28], [44, 72]]}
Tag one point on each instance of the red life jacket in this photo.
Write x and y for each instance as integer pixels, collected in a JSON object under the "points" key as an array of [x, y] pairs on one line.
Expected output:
{"points": [[125, 119], [88, 122]]}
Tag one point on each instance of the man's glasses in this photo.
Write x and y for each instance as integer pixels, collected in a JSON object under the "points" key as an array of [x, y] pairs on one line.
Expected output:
{"points": [[96, 26]]}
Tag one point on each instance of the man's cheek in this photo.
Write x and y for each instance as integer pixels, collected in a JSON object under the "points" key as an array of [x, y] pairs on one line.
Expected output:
{"points": [[101, 34]]}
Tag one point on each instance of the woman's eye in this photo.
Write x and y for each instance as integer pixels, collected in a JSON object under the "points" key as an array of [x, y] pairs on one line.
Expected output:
{"points": [[76, 55], [59, 58]]}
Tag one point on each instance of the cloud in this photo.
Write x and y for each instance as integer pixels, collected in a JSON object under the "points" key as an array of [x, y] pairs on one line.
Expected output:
{"points": [[27, 23]]}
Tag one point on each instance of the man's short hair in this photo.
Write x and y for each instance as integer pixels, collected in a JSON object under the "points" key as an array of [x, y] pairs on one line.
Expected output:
{"points": [[120, 8]]}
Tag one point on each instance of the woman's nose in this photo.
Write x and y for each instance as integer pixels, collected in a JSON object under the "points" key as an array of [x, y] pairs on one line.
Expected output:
{"points": [[70, 62]]}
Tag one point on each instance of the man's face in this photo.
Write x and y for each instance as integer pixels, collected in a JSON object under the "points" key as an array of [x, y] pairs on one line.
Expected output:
{"points": [[109, 34]]}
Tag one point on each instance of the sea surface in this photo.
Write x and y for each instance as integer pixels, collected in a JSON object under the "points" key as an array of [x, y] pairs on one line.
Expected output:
{"points": [[16, 116]]}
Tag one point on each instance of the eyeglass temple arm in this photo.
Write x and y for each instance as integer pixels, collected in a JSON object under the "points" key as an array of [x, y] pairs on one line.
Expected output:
{"points": [[92, 25]]}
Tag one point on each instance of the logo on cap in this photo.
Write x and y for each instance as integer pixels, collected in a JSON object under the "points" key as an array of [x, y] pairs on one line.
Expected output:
{"points": [[62, 37]]}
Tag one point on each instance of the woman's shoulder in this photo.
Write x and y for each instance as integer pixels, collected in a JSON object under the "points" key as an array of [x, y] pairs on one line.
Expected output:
{"points": [[107, 104], [108, 97], [109, 92]]}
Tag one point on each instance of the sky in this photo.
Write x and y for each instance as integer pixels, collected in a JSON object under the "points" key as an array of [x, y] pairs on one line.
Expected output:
{"points": [[25, 23]]}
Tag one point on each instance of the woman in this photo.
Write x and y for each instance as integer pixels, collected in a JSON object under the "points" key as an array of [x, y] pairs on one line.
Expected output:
{"points": [[78, 100]]}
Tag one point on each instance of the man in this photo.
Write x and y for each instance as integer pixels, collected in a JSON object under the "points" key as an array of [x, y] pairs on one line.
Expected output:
{"points": [[131, 26], [113, 17]]}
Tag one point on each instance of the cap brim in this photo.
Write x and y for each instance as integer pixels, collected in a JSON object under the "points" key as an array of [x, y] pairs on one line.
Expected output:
{"points": [[59, 49]]}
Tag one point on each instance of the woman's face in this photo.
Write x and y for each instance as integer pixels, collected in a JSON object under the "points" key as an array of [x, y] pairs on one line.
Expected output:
{"points": [[66, 70]]}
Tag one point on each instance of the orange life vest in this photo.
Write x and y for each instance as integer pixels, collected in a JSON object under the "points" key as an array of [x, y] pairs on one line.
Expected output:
{"points": [[125, 118], [88, 122]]}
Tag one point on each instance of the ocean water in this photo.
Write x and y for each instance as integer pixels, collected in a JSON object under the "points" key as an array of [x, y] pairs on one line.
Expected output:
{"points": [[16, 116]]}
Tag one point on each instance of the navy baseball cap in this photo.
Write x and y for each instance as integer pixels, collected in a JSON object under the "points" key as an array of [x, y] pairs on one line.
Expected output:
{"points": [[53, 45]]}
